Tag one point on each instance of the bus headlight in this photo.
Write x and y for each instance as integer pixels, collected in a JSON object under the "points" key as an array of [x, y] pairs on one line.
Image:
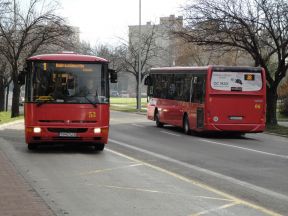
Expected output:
{"points": [[97, 130], [37, 130], [215, 118]]}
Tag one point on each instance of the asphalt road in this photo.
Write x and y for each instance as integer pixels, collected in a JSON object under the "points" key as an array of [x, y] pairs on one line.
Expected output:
{"points": [[253, 167], [147, 170]]}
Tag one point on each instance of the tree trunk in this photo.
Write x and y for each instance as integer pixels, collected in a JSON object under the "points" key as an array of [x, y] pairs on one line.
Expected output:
{"points": [[271, 117], [137, 102], [7, 97], [15, 99], [2, 96]]}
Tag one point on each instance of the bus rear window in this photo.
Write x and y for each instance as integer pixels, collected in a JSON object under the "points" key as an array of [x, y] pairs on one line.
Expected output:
{"points": [[236, 81]]}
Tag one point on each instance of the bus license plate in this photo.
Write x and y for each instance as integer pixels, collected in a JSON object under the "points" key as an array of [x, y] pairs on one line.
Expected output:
{"points": [[67, 134]]}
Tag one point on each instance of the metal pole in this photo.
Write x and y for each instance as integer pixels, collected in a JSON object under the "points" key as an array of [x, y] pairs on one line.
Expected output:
{"points": [[139, 62]]}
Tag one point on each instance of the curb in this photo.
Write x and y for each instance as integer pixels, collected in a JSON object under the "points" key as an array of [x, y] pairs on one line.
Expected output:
{"points": [[4, 125], [275, 134]]}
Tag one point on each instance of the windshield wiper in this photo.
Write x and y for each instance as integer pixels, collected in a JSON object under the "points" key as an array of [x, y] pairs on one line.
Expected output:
{"points": [[91, 102]]}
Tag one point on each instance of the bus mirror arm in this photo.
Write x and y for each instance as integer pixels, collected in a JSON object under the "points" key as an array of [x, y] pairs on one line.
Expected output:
{"points": [[21, 78], [113, 75]]}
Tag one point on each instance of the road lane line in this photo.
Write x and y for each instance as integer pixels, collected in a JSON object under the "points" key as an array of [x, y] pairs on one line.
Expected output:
{"points": [[137, 125], [173, 134], [246, 149], [201, 185], [130, 188], [216, 209], [108, 169], [161, 192]]}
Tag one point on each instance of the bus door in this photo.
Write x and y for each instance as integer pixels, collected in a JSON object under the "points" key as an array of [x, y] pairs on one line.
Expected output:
{"points": [[197, 95], [179, 90], [171, 109]]}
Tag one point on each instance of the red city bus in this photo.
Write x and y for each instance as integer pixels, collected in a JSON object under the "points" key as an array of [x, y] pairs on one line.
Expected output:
{"points": [[66, 99], [211, 98]]}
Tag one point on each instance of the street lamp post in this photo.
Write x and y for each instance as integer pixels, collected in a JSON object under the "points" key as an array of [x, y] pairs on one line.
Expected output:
{"points": [[139, 62]]}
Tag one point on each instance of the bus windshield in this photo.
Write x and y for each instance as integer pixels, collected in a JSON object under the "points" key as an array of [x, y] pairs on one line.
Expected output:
{"points": [[55, 82], [236, 81]]}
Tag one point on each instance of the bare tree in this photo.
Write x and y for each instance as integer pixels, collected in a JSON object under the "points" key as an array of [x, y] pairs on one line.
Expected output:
{"points": [[24, 32], [258, 27], [4, 82], [149, 53], [85, 48], [113, 54]]}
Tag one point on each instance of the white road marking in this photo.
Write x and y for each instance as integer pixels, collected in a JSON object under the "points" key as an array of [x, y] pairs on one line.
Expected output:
{"points": [[173, 134], [137, 125], [216, 209], [108, 169], [246, 149], [207, 172], [201, 185], [161, 192]]}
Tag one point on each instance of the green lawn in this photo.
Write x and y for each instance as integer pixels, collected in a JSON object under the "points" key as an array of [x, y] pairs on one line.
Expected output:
{"points": [[281, 117], [127, 104], [6, 117]]}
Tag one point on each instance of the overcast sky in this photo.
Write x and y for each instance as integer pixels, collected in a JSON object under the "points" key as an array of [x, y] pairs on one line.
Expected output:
{"points": [[103, 21]]}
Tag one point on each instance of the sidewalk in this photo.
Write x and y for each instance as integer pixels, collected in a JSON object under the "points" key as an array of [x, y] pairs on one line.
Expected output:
{"points": [[283, 123], [17, 198]]}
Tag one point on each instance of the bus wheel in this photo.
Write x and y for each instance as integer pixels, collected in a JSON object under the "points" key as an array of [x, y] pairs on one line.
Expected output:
{"points": [[99, 146], [32, 146], [186, 126], [157, 119]]}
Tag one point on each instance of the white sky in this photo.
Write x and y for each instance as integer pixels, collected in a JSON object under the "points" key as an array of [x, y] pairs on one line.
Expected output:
{"points": [[105, 21]]}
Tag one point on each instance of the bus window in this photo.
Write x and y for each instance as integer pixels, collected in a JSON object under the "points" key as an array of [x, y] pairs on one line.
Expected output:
{"points": [[182, 84]]}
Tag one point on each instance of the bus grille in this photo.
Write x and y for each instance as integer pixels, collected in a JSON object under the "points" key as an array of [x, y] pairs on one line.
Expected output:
{"points": [[83, 121], [52, 121], [68, 130]]}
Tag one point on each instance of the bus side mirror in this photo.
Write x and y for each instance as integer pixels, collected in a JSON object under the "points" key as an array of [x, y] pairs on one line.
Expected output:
{"points": [[21, 78], [113, 76], [148, 81]]}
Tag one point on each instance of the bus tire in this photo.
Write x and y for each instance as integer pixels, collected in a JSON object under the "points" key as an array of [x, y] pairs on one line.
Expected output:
{"points": [[157, 119], [32, 146], [99, 146], [186, 125]]}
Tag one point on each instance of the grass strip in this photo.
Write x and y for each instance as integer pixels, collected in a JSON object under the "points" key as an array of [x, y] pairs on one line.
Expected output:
{"points": [[5, 117]]}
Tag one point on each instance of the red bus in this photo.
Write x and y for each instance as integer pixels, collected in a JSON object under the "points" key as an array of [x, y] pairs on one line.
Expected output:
{"points": [[66, 99], [210, 98]]}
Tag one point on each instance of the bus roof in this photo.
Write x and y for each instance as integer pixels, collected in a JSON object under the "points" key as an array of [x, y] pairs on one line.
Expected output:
{"points": [[205, 69], [67, 57]]}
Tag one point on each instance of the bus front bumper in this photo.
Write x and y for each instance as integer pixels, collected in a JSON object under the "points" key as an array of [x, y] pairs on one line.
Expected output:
{"points": [[64, 135]]}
